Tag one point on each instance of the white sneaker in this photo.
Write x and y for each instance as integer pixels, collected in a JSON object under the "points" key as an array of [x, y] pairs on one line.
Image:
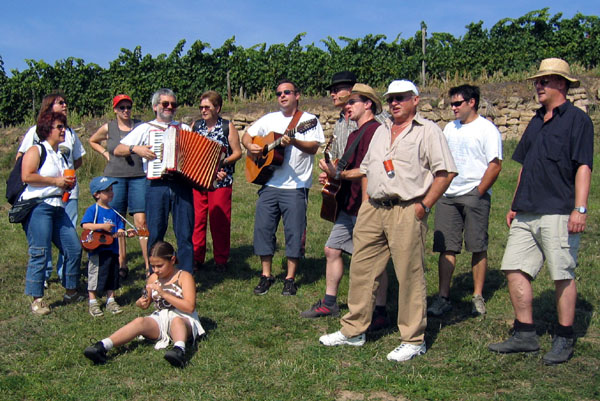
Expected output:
{"points": [[338, 338], [406, 352]]}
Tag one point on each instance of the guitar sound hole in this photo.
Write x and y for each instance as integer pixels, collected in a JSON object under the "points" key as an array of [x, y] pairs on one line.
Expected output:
{"points": [[103, 239]]}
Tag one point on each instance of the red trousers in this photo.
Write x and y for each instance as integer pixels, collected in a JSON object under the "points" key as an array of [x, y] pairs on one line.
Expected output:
{"points": [[215, 205]]}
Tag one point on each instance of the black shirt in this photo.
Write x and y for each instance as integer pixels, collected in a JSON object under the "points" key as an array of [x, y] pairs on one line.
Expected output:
{"points": [[550, 153]]}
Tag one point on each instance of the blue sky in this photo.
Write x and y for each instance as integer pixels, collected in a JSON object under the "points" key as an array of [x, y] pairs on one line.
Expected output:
{"points": [[97, 30]]}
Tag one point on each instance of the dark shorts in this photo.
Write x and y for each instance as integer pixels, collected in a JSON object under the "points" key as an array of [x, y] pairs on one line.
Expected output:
{"points": [[467, 213], [274, 204]]}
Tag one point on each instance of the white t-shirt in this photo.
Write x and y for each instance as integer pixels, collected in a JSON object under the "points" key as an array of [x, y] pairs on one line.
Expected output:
{"points": [[71, 148], [140, 135], [473, 147], [53, 166], [296, 170]]}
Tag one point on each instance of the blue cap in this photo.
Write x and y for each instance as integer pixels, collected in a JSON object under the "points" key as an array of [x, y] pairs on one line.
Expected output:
{"points": [[100, 184]]}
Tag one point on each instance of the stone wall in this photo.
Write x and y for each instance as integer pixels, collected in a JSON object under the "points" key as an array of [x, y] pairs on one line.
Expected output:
{"points": [[509, 112]]}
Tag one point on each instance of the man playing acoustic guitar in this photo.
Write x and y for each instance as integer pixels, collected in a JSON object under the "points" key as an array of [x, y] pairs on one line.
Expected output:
{"points": [[361, 106], [285, 193]]}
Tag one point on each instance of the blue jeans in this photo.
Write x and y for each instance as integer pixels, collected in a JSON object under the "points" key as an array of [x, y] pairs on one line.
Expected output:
{"points": [[71, 208], [166, 196], [46, 225]]}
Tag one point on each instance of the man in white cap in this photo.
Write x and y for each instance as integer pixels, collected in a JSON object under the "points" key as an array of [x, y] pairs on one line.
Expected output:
{"points": [[548, 211], [361, 106], [407, 168]]}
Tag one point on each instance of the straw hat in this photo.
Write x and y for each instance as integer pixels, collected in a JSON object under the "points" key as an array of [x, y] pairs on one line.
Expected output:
{"points": [[368, 92], [556, 66]]}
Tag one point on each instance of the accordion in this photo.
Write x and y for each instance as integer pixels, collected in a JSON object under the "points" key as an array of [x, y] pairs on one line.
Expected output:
{"points": [[186, 153]]}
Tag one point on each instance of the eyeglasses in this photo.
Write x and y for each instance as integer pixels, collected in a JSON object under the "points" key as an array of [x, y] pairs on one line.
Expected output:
{"points": [[204, 107], [352, 101], [166, 104], [542, 82], [285, 92], [398, 98], [457, 103], [61, 103], [123, 108], [59, 127]]}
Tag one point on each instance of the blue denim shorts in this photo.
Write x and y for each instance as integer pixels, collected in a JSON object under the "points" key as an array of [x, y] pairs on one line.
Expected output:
{"points": [[129, 195]]}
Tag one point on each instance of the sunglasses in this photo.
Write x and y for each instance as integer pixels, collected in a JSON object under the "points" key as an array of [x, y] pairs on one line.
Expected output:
{"points": [[59, 127], [285, 92], [123, 108], [353, 101], [542, 82], [166, 104], [61, 103], [457, 103], [398, 98]]}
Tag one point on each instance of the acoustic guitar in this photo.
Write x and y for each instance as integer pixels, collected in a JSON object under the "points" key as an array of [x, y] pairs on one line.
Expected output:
{"points": [[330, 207], [259, 169], [91, 240]]}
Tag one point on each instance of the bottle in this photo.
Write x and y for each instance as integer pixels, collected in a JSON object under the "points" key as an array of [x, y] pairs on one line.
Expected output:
{"points": [[388, 165]]}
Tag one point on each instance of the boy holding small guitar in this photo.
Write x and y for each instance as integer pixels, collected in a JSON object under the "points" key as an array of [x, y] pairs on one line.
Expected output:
{"points": [[103, 266], [284, 193]]}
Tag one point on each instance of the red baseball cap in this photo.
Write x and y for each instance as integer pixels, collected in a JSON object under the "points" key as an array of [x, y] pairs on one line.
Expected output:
{"points": [[119, 98]]}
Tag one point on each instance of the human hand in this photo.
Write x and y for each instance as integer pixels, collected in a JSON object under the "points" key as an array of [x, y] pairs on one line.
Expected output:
{"points": [[576, 223], [510, 216]]}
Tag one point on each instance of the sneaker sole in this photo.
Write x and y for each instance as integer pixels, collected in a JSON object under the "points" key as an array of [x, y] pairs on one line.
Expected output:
{"points": [[404, 360]]}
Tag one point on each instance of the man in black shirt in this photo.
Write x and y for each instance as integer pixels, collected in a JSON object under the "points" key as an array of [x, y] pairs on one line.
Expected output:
{"points": [[549, 209]]}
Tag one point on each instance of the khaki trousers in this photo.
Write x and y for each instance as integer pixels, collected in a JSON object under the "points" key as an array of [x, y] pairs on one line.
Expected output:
{"points": [[381, 232]]}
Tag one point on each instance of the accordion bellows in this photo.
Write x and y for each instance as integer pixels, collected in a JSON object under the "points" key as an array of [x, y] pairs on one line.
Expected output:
{"points": [[186, 153]]}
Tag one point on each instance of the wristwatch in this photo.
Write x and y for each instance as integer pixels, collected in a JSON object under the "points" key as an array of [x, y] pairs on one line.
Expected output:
{"points": [[581, 209], [427, 210], [131, 149]]}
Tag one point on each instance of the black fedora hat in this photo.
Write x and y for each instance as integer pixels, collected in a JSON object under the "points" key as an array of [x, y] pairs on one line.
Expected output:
{"points": [[342, 77]]}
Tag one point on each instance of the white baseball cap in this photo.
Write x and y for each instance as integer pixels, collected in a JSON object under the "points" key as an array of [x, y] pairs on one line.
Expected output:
{"points": [[401, 86]]}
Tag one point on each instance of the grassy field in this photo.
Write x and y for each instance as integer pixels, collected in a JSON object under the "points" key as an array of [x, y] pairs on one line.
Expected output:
{"points": [[258, 348]]}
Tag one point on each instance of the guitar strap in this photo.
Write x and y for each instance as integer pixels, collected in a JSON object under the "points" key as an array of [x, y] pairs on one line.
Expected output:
{"points": [[343, 162], [295, 120]]}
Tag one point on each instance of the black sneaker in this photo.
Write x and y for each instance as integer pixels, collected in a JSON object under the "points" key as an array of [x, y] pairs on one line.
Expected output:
{"points": [[520, 341], [379, 321], [289, 287], [263, 285], [562, 350], [96, 353], [176, 357], [320, 309]]}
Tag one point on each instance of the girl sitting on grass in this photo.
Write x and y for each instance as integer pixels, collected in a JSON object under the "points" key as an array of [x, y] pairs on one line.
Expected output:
{"points": [[175, 319]]}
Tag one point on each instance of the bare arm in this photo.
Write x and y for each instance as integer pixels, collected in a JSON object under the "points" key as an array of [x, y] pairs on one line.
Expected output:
{"points": [[186, 304], [96, 140], [440, 184], [310, 147], [234, 142], [490, 176], [583, 178], [510, 216]]}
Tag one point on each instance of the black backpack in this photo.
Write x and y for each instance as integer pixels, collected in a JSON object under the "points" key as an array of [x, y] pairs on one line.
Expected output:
{"points": [[14, 185]]}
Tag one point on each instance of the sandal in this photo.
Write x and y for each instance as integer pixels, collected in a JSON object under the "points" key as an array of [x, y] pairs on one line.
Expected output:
{"points": [[123, 272]]}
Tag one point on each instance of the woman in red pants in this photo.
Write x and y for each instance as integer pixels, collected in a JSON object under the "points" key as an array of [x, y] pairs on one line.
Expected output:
{"points": [[216, 204]]}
